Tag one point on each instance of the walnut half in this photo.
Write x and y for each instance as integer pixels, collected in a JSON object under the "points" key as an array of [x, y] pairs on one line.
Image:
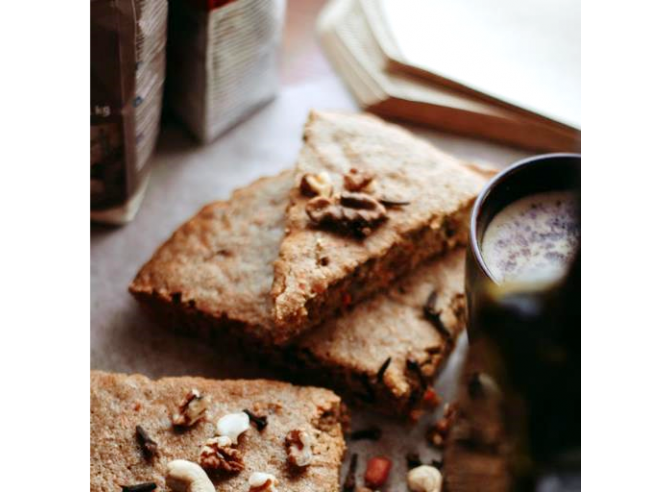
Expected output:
{"points": [[218, 454], [298, 448], [191, 409], [356, 213]]}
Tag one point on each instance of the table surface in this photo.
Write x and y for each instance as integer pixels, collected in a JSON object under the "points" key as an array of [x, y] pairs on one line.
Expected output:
{"points": [[186, 176]]}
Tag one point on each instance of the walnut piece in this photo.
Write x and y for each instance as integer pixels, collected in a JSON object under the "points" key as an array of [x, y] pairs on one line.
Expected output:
{"points": [[316, 184], [218, 454], [355, 213], [356, 180], [299, 448], [191, 409]]}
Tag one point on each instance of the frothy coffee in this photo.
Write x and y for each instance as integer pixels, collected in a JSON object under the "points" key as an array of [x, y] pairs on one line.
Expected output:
{"points": [[533, 239]]}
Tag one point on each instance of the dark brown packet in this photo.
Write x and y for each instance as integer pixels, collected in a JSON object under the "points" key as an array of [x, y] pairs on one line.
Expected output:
{"points": [[127, 74]]}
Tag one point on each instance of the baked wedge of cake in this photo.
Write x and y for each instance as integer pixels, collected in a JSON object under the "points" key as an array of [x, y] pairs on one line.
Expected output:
{"points": [[369, 203], [214, 275], [161, 435]]}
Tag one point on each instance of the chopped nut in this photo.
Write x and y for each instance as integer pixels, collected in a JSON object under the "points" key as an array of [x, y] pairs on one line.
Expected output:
{"points": [[437, 434], [377, 471], [424, 478], [186, 476], [232, 425], [262, 482], [218, 454], [191, 409], [355, 213], [148, 445], [356, 180], [299, 448], [316, 184]]}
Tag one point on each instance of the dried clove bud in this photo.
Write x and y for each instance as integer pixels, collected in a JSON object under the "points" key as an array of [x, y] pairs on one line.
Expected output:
{"points": [[369, 434], [148, 445], [382, 370], [140, 487], [260, 421], [350, 480], [433, 315]]}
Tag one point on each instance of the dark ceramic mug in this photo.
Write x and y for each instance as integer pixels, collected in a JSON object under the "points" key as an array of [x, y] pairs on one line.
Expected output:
{"points": [[528, 336]]}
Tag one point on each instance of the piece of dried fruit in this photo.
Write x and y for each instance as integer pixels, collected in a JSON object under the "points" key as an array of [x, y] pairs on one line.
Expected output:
{"points": [[191, 409], [377, 471], [262, 482], [316, 184], [438, 433], [218, 454], [431, 398], [355, 213], [298, 448], [424, 478], [356, 180]]}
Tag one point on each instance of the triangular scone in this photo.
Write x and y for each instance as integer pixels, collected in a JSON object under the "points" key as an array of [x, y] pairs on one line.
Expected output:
{"points": [[120, 403], [213, 277], [370, 202]]}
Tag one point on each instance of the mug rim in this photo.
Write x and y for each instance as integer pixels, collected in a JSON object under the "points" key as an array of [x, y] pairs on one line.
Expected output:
{"points": [[486, 192]]}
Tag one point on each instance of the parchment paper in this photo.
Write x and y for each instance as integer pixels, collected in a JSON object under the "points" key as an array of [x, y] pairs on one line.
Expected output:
{"points": [[185, 177]]}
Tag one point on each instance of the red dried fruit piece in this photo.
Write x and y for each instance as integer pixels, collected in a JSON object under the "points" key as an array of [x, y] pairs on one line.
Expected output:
{"points": [[377, 471]]}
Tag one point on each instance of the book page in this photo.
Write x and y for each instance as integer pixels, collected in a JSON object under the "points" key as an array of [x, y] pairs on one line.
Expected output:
{"points": [[523, 52]]}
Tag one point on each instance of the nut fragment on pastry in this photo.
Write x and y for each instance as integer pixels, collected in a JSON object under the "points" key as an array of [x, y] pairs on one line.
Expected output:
{"points": [[316, 184], [262, 482], [186, 476], [298, 448], [191, 409], [233, 425], [218, 453]]}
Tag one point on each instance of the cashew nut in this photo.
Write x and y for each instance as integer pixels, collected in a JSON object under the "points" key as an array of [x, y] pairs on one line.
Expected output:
{"points": [[232, 425], [424, 478], [186, 476], [262, 482]]}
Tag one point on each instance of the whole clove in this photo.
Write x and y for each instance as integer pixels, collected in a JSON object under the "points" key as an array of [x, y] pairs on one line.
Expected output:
{"points": [[260, 421], [148, 445]]}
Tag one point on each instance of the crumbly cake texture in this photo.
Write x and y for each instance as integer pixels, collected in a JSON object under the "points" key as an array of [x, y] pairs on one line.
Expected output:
{"points": [[121, 402], [319, 271], [214, 275]]}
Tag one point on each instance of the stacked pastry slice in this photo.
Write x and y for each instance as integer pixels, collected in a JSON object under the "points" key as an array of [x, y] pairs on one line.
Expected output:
{"points": [[347, 269]]}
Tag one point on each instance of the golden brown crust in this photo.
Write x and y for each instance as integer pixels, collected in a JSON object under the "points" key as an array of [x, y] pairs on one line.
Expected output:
{"points": [[438, 188], [120, 402], [346, 353]]}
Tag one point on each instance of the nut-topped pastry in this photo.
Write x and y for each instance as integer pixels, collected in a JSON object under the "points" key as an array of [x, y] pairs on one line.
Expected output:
{"points": [[393, 201], [231, 456]]}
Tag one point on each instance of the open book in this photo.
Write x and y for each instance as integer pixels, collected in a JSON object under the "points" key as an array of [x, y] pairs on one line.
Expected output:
{"points": [[358, 41]]}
